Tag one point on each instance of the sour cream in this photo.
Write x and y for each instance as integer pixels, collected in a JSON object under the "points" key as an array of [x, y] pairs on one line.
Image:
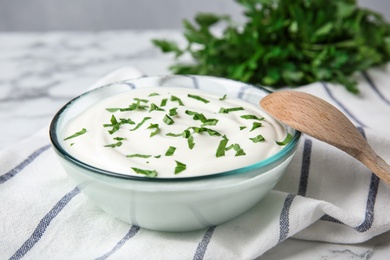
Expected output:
{"points": [[172, 132]]}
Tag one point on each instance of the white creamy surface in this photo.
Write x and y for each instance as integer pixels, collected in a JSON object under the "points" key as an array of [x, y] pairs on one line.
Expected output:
{"points": [[200, 160]]}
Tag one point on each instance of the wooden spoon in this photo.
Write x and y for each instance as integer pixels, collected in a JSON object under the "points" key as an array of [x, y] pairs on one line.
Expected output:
{"points": [[319, 119]]}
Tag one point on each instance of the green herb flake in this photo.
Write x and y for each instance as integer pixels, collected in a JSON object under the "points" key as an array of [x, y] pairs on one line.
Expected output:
{"points": [[141, 100], [211, 132], [156, 127], [255, 125], [117, 144], [114, 124], [163, 102], [257, 139], [286, 140], [179, 167], [174, 135], [123, 121], [196, 115], [120, 138], [154, 107], [137, 155], [171, 150], [190, 142], [167, 120], [154, 94], [173, 111], [174, 98], [237, 148], [135, 106], [199, 116], [223, 98], [198, 98], [222, 146], [112, 110], [81, 132], [148, 173], [140, 123], [228, 110], [253, 117], [187, 135]]}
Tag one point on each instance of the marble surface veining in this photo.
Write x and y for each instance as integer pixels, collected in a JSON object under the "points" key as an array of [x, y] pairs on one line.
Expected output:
{"points": [[40, 72]]}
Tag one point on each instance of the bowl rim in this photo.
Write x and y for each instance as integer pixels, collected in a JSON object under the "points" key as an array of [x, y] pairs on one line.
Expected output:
{"points": [[285, 151]]}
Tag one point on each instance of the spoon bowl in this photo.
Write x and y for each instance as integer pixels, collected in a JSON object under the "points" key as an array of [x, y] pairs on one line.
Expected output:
{"points": [[321, 120]]}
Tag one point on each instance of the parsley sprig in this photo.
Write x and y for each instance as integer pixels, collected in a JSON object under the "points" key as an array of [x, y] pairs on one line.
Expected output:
{"points": [[285, 43]]}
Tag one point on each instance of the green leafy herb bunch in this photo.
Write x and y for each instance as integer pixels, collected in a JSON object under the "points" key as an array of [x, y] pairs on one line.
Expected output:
{"points": [[285, 43]]}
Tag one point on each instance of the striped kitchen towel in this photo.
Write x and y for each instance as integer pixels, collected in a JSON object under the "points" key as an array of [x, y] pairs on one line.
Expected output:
{"points": [[325, 196]]}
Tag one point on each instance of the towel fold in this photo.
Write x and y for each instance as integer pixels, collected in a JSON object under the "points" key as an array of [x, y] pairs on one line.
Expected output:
{"points": [[326, 195]]}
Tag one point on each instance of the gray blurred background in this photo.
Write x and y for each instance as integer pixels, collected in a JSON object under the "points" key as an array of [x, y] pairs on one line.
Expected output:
{"points": [[97, 15]]}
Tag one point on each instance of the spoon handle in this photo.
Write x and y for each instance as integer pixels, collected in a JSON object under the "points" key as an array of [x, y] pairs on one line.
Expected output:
{"points": [[376, 164]]}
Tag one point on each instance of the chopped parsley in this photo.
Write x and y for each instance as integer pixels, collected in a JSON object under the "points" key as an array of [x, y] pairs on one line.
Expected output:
{"points": [[81, 132], [140, 123], [163, 102], [171, 150], [117, 144], [156, 131], [198, 98], [255, 125], [252, 117], [222, 146], [237, 148], [173, 111], [179, 167], [154, 107], [286, 140], [257, 139], [148, 173], [119, 138], [199, 116], [178, 100], [223, 98], [137, 155], [167, 120], [115, 124], [134, 106], [228, 110]]}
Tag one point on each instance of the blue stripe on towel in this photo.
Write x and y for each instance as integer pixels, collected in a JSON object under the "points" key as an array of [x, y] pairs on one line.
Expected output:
{"points": [[195, 82], [44, 223], [306, 158], [5, 177], [130, 84], [375, 88], [346, 111], [131, 233], [202, 246], [370, 204], [242, 91], [284, 221]]}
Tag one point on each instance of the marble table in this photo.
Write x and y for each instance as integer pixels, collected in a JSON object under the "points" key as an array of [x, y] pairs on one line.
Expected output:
{"points": [[39, 72]]}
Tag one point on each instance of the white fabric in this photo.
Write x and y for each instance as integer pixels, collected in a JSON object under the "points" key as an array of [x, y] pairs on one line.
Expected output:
{"points": [[325, 195]]}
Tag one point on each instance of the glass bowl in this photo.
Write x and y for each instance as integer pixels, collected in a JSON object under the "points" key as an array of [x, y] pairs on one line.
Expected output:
{"points": [[173, 204]]}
